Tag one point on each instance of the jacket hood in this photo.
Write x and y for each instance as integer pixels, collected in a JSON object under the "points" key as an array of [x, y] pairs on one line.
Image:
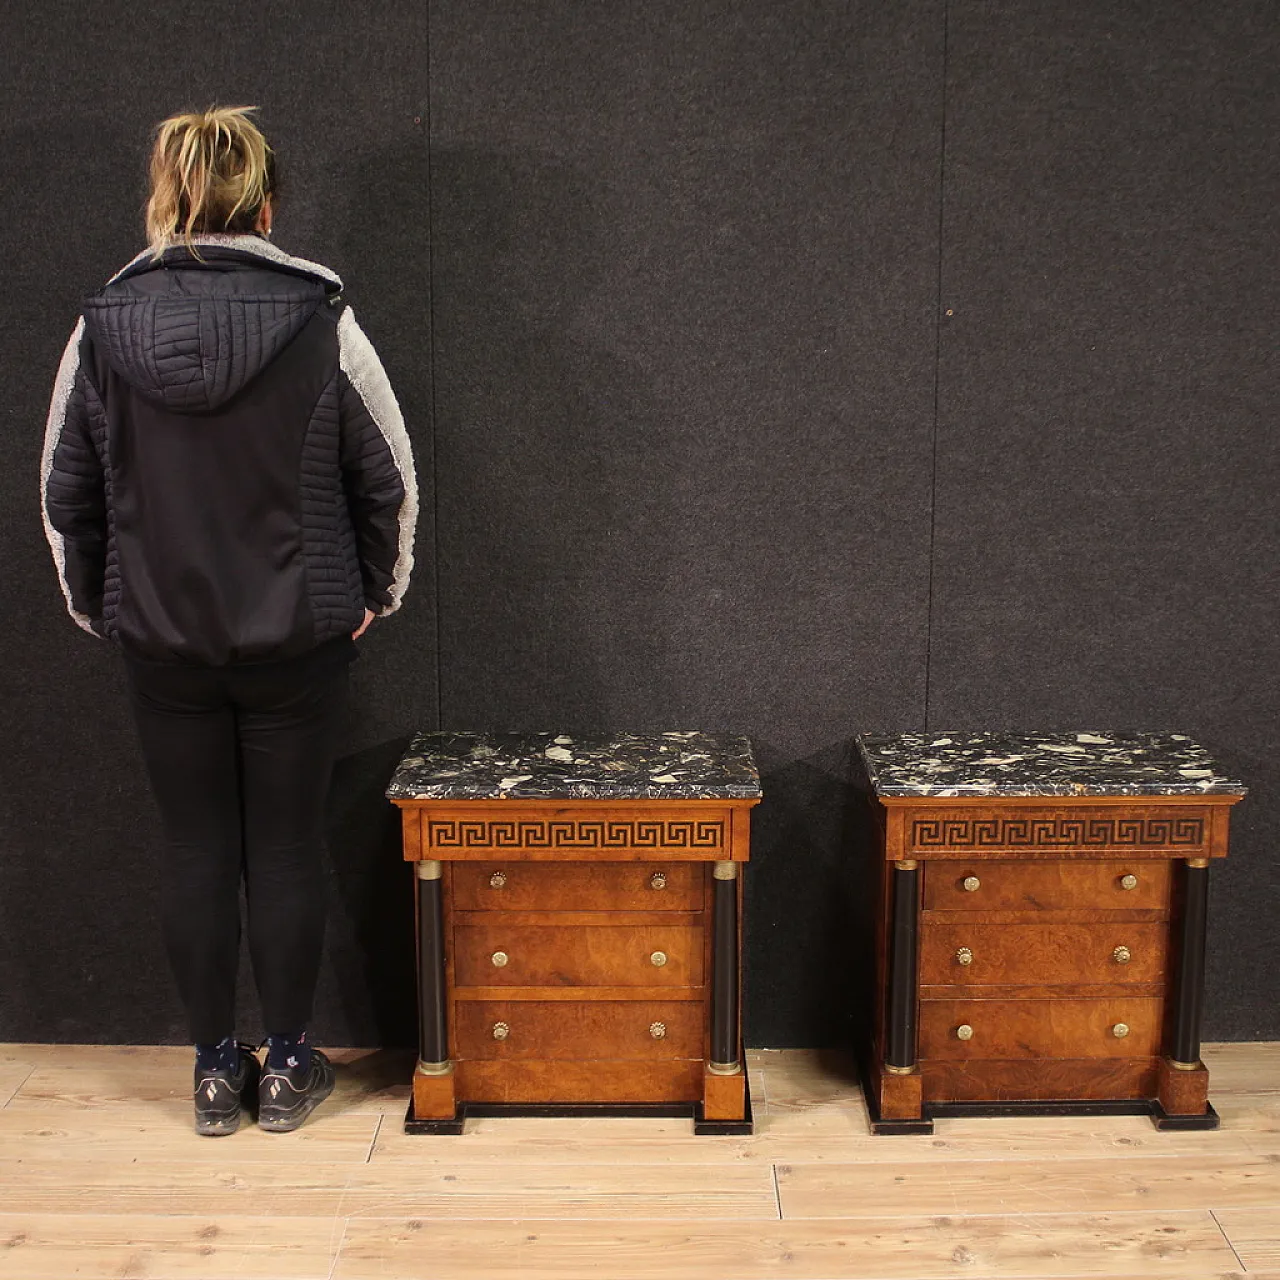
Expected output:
{"points": [[190, 333]]}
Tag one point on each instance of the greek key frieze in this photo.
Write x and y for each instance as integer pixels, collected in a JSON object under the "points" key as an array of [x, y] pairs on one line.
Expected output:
{"points": [[1057, 832], [574, 833]]}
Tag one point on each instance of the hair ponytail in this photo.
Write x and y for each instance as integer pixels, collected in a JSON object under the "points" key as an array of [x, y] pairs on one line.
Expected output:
{"points": [[211, 172]]}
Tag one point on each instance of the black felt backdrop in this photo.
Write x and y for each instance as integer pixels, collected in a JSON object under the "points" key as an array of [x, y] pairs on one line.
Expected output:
{"points": [[791, 369]]}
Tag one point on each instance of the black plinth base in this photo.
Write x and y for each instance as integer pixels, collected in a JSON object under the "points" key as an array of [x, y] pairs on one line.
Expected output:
{"points": [[578, 1110], [1065, 1107], [1163, 1120], [878, 1123]]}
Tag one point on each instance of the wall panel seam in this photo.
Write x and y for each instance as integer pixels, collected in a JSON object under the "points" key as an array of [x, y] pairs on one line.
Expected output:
{"points": [[438, 603], [938, 317]]}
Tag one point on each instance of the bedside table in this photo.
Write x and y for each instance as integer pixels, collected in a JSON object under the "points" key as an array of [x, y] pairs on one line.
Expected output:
{"points": [[578, 914], [1041, 925]]}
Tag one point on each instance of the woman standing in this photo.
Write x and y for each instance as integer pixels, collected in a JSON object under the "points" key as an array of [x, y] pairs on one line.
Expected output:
{"points": [[229, 496]]}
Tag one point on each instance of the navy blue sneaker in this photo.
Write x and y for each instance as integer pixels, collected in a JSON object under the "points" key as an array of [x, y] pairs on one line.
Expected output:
{"points": [[218, 1095], [286, 1097]]}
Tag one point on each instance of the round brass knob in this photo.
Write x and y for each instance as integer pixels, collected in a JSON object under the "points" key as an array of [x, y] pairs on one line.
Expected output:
{"points": [[501, 1030], [497, 880], [971, 884], [499, 958], [657, 1030], [964, 1032], [1120, 1030], [1122, 955], [659, 958], [1129, 882], [658, 880], [964, 956]]}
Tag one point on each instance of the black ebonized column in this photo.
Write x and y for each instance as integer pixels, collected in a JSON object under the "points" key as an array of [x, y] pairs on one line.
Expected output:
{"points": [[900, 1040], [433, 1034], [725, 1032], [1188, 1000]]}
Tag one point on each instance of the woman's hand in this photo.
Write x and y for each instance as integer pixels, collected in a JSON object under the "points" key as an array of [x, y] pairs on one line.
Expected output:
{"points": [[369, 616]]}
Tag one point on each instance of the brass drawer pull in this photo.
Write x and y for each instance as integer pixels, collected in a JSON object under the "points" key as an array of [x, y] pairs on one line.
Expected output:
{"points": [[964, 1032], [658, 1030], [658, 880], [964, 956], [1129, 881], [501, 1030], [499, 958], [971, 884], [658, 959], [1122, 955], [497, 880], [1120, 1030]]}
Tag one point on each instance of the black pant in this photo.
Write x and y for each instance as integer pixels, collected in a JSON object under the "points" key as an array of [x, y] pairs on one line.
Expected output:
{"points": [[240, 759]]}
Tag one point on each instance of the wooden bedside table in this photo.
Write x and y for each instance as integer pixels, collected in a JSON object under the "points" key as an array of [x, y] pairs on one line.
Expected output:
{"points": [[578, 918], [1041, 926]]}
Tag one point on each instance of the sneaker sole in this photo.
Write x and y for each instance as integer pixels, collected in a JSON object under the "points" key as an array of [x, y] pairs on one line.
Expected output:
{"points": [[288, 1121], [219, 1127]]}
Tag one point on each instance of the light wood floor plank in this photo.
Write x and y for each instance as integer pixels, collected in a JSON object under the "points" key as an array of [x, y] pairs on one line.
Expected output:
{"points": [[580, 1141], [624, 1190], [53, 1133], [1255, 1236], [1001, 1187], [1243, 1067], [1187, 1246], [95, 1247], [311, 1188]]}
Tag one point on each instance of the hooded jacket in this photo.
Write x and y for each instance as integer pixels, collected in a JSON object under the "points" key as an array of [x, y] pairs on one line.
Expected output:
{"points": [[226, 474]]}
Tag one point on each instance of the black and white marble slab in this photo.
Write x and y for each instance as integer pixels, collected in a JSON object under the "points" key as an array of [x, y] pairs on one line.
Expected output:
{"points": [[1049, 764], [530, 766]]}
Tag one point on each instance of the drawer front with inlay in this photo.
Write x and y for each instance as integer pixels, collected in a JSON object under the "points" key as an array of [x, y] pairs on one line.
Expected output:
{"points": [[573, 1030], [577, 886], [1119, 1027], [1042, 954], [658, 955], [1135, 885]]}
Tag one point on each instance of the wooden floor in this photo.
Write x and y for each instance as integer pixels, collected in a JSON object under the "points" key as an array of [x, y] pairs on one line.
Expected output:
{"points": [[100, 1175]]}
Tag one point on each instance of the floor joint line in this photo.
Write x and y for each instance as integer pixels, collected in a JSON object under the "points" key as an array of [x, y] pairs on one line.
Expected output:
{"points": [[1234, 1253]]}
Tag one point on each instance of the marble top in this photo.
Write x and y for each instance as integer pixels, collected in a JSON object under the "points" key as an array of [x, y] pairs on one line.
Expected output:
{"points": [[1046, 764], [548, 766]]}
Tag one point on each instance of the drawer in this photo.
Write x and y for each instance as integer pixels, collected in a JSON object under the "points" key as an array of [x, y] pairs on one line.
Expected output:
{"points": [[1111, 953], [577, 886], [658, 955], [643, 1030], [1013, 1029], [1136, 885], [679, 1080]]}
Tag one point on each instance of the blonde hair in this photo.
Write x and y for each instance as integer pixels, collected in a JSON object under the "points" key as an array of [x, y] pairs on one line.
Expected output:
{"points": [[211, 172]]}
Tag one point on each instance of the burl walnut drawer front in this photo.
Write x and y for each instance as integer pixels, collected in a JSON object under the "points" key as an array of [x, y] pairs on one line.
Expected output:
{"points": [[1136, 885], [1046, 954], [577, 886], [640, 1030], [1119, 1027], [658, 955]]}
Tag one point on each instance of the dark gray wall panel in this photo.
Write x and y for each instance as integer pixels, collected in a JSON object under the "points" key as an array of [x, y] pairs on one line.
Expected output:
{"points": [[344, 101], [1107, 465], [685, 272]]}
